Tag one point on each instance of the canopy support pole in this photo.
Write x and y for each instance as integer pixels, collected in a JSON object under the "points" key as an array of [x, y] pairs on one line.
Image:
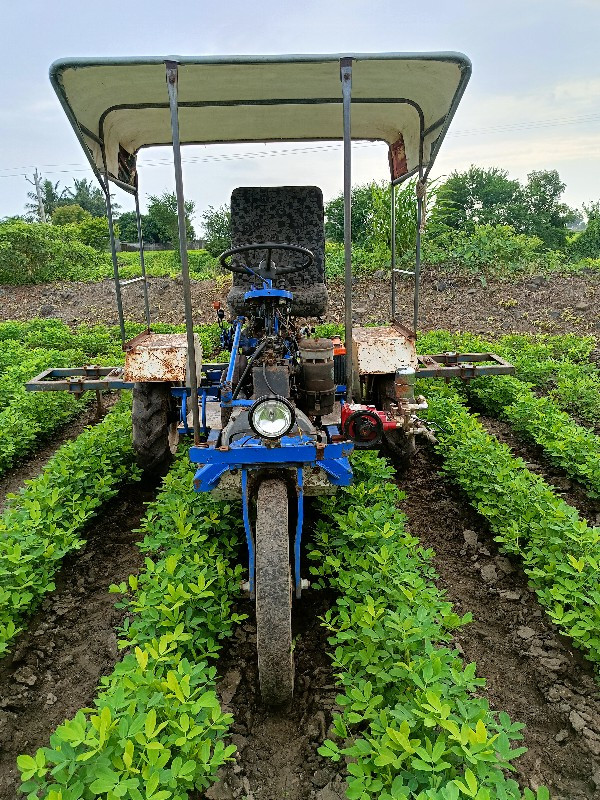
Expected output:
{"points": [[138, 219], [393, 245], [113, 252], [420, 193], [172, 75], [346, 78]]}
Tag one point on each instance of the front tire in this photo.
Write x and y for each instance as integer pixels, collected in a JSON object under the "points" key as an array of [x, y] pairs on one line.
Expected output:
{"points": [[154, 423], [273, 594]]}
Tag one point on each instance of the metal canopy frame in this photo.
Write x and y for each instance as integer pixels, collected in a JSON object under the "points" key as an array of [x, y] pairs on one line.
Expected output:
{"points": [[172, 65]]}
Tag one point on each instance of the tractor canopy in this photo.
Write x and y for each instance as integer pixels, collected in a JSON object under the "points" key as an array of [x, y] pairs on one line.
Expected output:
{"points": [[119, 105]]}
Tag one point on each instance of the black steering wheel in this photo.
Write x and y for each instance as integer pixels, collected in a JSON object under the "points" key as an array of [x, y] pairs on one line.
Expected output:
{"points": [[266, 271]]}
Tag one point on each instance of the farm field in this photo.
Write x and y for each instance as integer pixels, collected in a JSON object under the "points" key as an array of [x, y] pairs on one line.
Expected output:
{"points": [[485, 552], [529, 304]]}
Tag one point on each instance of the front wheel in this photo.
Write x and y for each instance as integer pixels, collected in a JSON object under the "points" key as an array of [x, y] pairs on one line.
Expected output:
{"points": [[273, 594], [154, 422]]}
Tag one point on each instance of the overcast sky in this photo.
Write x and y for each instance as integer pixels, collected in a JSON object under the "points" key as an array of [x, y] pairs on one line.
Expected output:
{"points": [[533, 101]]}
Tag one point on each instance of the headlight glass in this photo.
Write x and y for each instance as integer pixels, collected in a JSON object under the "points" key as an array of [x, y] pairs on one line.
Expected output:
{"points": [[271, 417]]}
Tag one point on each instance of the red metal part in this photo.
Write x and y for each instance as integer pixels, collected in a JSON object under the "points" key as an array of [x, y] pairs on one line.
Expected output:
{"points": [[387, 421]]}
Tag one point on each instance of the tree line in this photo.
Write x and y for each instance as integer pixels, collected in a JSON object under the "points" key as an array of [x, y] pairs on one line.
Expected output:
{"points": [[466, 203]]}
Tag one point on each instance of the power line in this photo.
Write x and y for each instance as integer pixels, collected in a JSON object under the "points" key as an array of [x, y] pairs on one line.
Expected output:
{"points": [[247, 156]]}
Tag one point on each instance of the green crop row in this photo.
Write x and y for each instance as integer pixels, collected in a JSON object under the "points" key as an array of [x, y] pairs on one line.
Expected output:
{"points": [[538, 347], [574, 449], [28, 419], [45, 520], [14, 376], [157, 729], [94, 340], [560, 553], [556, 365], [28, 348], [412, 725]]}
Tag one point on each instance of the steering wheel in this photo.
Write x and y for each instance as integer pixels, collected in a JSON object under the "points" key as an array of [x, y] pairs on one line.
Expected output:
{"points": [[276, 271]]}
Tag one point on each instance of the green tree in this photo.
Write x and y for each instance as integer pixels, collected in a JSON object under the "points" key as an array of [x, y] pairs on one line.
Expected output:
{"points": [[71, 214], [129, 232], [52, 197], [216, 225], [489, 197], [370, 217], [90, 197], [162, 212], [362, 214], [592, 210], [548, 217], [587, 243], [128, 227], [480, 197]]}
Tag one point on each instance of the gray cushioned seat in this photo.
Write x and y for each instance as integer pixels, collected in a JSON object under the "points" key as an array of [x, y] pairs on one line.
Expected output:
{"points": [[290, 215]]}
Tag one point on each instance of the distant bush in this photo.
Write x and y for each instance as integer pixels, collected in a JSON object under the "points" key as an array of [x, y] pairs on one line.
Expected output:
{"points": [[489, 250], [38, 253], [71, 214], [365, 261], [165, 263], [587, 243]]}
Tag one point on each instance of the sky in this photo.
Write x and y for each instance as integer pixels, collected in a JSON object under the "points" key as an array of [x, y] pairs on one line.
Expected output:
{"points": [[533, 101]]}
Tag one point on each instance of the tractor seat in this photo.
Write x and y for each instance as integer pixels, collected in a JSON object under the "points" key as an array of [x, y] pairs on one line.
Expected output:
{"points": [[289, 215]]}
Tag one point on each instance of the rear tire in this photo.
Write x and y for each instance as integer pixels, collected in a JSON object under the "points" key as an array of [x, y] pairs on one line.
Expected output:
{"points": [[154, 422], [273, 594]]}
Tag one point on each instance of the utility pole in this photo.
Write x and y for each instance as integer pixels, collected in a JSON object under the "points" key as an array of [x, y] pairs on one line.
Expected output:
{"points": [[38, 190]]}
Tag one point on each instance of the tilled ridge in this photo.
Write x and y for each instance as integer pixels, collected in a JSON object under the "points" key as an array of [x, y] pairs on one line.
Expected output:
{"points": [[56, 664], [277, 752], [532, 672]]}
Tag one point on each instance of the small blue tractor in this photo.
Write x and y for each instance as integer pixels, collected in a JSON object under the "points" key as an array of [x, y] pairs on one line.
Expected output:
{"points": [[278, 422]]}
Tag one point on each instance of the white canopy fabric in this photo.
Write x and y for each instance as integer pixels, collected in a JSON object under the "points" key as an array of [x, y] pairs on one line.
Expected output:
{"points": [[117, 106]]}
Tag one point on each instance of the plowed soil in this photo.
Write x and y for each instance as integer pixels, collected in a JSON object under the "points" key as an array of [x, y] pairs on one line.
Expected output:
{"points": [[55, 666], [531, 671], [535, 304]]}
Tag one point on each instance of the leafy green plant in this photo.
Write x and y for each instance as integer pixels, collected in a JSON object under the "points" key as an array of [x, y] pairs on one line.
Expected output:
{"points": [[557, 365], [559, 552], [411, 724], [573, 448], [156, 732], [45, 520]]}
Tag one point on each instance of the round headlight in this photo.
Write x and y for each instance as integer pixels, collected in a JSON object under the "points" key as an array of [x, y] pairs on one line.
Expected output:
{"points": [[271, 417]]}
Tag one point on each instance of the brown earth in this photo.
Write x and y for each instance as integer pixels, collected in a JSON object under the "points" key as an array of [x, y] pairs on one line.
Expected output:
{"points": [[535, 304], [277, 751], [55, 666], [531, 671]]}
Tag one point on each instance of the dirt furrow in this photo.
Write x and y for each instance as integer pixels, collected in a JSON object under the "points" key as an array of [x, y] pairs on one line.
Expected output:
{"points": [[532, 672], [54, 668], [32, 465], [536, 461], [277, 751]]}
